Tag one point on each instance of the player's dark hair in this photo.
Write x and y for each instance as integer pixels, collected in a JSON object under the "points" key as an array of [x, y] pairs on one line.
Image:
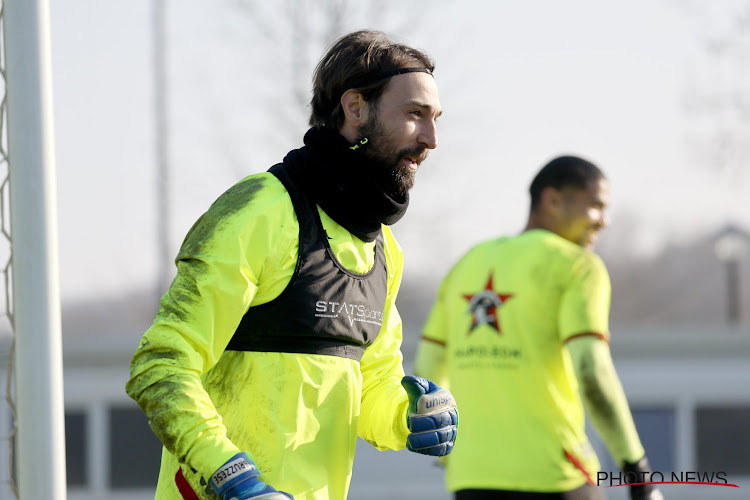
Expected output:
{"points": [[363, 60], [563, 172]]}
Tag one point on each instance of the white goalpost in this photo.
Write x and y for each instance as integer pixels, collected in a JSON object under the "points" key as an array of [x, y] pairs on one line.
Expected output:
{"points": [[37, 356]]}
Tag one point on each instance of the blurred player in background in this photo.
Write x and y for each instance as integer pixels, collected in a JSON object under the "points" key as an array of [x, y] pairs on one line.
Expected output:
{"points": [[278, 341], [520, 335]]}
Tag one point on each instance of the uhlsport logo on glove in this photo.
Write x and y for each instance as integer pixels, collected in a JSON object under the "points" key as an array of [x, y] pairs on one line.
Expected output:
{"points": [[432, 417], [438, 400]]}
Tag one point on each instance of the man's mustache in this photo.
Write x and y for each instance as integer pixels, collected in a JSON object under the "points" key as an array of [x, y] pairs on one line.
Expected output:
{"points": [[417, 154]]}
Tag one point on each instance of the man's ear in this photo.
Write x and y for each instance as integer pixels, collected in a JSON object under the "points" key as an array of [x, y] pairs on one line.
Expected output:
{"points": [[355, 108], [551, 200]]}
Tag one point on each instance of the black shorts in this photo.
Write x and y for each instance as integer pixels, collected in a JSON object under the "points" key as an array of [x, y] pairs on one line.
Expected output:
{"points": [[585, 492]]}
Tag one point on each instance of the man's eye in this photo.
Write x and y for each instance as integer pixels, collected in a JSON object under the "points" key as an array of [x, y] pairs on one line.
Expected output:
{"points": [[416, 112]]}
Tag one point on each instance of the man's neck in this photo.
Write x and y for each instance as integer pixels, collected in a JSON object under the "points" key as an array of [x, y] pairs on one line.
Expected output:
{"points": [[349, 132], [535, 222]]}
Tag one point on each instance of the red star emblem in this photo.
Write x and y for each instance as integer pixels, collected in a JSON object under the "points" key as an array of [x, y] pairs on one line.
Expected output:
{"points": [[483, 306]]}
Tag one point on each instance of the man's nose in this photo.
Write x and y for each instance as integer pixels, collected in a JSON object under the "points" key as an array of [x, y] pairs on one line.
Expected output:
{"points": [[604, 220], [428, 135]]}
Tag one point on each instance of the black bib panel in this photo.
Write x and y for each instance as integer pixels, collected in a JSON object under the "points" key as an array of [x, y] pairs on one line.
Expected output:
{"points": [[325, 308]]}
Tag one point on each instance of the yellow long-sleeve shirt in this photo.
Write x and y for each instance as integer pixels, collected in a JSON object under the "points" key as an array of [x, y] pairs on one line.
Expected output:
{"points": [[298, 415]]}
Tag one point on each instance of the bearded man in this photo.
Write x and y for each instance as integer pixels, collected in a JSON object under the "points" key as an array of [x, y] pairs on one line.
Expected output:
{"points": [[278, 342]]}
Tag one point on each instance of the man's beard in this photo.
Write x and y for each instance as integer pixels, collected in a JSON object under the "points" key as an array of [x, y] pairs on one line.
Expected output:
{"points": [[397, 178]]}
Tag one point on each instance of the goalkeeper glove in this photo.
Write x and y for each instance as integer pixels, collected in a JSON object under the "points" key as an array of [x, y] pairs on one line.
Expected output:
{"points": [[432, 417], [238, 479], [637, 472]]}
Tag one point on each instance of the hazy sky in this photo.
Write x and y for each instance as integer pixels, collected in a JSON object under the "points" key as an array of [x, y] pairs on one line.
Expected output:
{"points": [[618, 82]]}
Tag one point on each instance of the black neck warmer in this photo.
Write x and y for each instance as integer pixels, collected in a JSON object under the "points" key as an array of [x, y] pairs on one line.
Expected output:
{"points": [[348, 186]]}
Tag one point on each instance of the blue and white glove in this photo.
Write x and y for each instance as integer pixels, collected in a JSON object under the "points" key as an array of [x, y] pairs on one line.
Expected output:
{"points": [[432, 418], [238, 479]]}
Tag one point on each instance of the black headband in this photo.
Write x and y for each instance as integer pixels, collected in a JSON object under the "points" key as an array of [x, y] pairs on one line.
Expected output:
{"points": [[401, 71], [389, 74]]}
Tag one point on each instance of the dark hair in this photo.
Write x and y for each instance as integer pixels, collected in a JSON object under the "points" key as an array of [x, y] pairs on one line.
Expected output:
{"points": [[562, 172], [360, 60]]}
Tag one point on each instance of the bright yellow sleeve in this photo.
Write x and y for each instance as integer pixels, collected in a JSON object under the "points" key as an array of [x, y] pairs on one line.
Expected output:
{"points": [[430, 358], [436, 327], [584, 308], [382, 420], [241, 252]]}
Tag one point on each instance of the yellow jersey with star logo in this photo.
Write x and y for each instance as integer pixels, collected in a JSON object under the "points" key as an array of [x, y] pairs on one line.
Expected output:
{"points": [[496, 338]]}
